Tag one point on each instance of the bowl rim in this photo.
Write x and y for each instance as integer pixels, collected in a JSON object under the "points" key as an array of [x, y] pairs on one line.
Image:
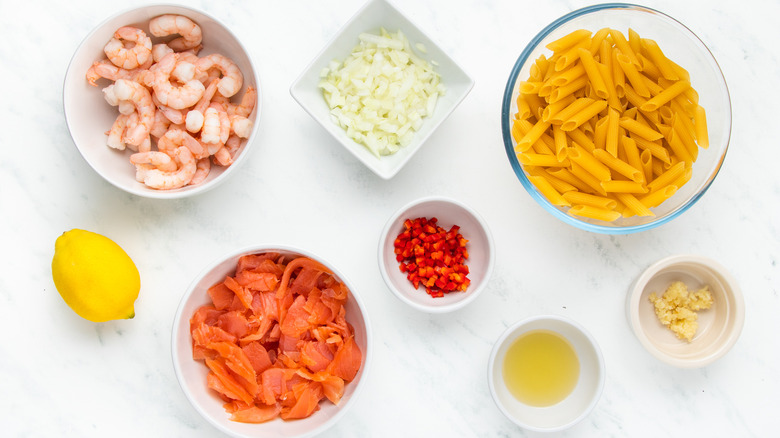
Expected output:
{"points": [[506, 106], [148, 192], [737, 313], [190, 290], [602, 369], [489, 243]]}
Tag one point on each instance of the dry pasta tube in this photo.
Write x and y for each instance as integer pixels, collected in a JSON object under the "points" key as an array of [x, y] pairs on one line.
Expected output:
{"points": [[588, 162], [592, 200], [568, 177], [549, 192], [634, 205], [640, 129], [622, 186], [587, 113], [591, 181], [594, 213], [633, 76], [700, 123], [568, 40], [655, 199], [619, 165]]}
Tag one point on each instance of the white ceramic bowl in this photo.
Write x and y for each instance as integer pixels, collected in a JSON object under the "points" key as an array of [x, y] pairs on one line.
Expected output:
{"points": [[370, 18], [681, 45], [449, 212], [577, 405], [191, 374], [719, 327], [89, 116]]}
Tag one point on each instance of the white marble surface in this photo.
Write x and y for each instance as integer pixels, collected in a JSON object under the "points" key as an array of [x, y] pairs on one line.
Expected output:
{"points": [[64, 376]]}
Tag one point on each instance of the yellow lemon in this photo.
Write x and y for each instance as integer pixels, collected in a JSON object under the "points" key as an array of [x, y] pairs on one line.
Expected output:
{"points": [[95, 276]]}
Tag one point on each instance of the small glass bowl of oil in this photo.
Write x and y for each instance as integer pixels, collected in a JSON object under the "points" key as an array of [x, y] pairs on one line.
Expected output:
{"points": [[546, 373]]}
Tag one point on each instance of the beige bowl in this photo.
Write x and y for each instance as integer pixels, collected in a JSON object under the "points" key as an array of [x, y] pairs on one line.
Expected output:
{"points": [[88, 116], [719, 327]]}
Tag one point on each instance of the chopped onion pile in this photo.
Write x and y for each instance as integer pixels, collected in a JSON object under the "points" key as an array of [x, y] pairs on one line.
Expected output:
{"points": [[381, 92]]}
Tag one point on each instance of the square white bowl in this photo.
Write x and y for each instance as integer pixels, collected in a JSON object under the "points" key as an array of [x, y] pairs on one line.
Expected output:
{"points": [[370, 18]]}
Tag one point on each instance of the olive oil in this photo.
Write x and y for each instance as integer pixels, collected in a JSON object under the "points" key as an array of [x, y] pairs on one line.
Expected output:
{"points": [[541, 368]]}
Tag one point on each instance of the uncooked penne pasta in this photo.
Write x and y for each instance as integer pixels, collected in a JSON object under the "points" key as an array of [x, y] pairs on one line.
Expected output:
{"points": [[531, 136], [622, 186], [655, 199], [549, 192], [584, 115], [665, 96], [593, 166], [568, 40], [668, 177], [618, 165], [592, 70], [633, 76], [594, 212], [588, 199], [622, 44], [634, 205], [640, 129], [591, 181], [660, 60], [532, 159], [613, 123], [700, 124], [607, 126]]}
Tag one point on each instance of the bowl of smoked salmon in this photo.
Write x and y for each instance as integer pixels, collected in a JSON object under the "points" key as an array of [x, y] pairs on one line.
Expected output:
{"points": [[162, 101], [271, 341], [436, 254]]}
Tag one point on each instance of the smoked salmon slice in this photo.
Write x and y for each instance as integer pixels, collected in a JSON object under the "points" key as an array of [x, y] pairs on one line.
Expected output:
{"points": [[275, 338]]}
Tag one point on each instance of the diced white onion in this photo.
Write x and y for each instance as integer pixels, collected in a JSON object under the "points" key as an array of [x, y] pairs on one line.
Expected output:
{"points": [[381, 92]]}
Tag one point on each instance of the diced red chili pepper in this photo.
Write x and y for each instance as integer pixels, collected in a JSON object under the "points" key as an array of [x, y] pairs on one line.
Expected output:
{"points": [[432, 256]]}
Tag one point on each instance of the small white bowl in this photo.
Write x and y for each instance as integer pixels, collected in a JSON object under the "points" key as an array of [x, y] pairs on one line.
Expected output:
{"points": [[577, 405], [719, 327], [191, 374], [449, 212], [370, 18], [88, 116]]}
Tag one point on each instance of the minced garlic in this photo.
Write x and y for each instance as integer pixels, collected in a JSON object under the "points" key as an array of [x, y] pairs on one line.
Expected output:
{"points": [[677, 308]]}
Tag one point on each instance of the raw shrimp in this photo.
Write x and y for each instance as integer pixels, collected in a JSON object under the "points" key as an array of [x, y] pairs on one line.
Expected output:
{"points": [[170, 24], [168, 94], [203, 169], [166, 180], [232, 79], [176, 138], [139, 95], [133, 57]]}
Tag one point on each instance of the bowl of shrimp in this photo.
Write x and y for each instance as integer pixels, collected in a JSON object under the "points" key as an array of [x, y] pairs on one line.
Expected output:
{"points": [[162, 101]]}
